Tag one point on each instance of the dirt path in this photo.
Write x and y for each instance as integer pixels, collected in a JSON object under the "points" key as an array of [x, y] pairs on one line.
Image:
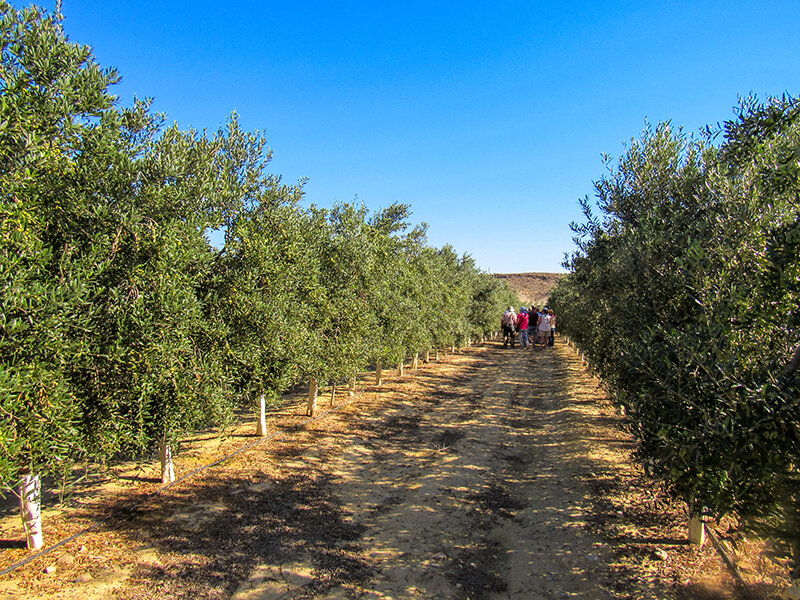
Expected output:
{"points": [[496, 474], [478, 496]]}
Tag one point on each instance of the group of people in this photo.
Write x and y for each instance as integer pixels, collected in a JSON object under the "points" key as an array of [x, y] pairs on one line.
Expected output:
{"points": [[532, 324]]}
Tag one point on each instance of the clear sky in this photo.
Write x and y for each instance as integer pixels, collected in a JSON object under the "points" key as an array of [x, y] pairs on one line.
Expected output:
{"points": [[488, 118]]}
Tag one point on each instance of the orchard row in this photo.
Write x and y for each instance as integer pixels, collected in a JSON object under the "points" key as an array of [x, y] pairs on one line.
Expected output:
{"points": [[121, 326], [684, 294]]}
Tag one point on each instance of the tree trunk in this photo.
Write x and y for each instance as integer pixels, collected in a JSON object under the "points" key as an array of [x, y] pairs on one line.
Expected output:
{"points": [[427, 356], [400, 369], [30, 506], [436, 356], [379, 373], [167, 468], [313, 390], [415, 362], [261, 426], [333, 392], [352, 391]]}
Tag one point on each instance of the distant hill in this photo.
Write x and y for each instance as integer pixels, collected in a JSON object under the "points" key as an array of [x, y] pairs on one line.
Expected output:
{"points": [[532, 288]]}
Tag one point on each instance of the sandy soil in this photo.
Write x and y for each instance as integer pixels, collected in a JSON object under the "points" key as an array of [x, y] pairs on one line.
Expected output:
{"points": [[492, 474]]}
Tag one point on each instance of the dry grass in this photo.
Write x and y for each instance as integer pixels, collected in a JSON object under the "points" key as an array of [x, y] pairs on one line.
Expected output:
{"points": [[532, 288]]}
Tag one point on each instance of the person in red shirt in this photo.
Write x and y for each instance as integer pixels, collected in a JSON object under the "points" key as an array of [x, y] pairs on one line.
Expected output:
{"points": [[522, 325]]}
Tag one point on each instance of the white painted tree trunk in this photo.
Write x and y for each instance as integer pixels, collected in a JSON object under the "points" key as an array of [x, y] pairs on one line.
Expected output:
{"points": [[379, 373], [167, 468], [261, 426], [427, 356], [436, 356], [352, 390], [792, 592], [697, 531], [415, 362], [400, 369], [313, 390], [333, 393], [453, 349], [30, 505]]}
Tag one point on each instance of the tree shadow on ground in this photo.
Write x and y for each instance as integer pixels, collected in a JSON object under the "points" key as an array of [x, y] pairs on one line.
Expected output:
{"points": [[216, 531]]}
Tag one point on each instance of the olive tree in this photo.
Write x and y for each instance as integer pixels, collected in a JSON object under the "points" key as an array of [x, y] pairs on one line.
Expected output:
{"points": [[682, 292]]}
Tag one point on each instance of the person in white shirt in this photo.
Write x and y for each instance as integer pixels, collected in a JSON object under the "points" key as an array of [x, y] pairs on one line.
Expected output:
{"points": [[544, 328], [509, 323]]}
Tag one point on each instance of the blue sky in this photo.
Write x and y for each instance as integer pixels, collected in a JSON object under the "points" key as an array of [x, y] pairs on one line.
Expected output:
{"points": [[488, 118]]}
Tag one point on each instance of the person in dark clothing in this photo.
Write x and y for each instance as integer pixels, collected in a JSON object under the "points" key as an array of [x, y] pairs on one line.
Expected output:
{"points": [[509, 323]]}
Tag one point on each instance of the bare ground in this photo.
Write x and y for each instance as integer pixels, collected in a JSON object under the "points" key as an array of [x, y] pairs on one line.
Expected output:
{"points": [[533, 289], [496, 473]]}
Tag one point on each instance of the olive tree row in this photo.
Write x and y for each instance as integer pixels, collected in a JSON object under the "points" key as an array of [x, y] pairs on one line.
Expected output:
{"points": [[684, 294], [122, 327]]}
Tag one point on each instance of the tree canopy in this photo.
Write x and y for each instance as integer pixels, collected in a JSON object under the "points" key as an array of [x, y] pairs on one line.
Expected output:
{"points": [[684, 293], [121, 324]]}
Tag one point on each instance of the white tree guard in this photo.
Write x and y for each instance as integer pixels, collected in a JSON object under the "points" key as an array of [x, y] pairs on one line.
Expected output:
{"points": [[261, 426], [792, 592], [30, 505], [167, 468], [697, 531], [313, 390]]}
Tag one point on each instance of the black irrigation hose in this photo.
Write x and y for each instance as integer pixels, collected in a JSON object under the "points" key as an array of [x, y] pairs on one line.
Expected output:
{"points": [[152, 495], [726, 558]]}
